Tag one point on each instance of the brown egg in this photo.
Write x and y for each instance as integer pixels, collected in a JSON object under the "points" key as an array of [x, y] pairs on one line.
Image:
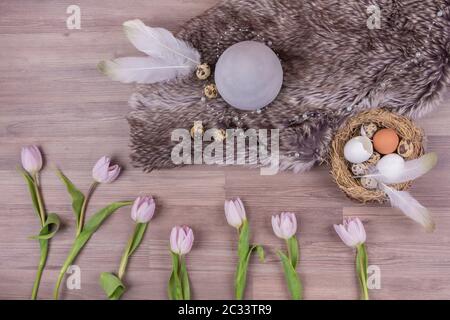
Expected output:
{"points": [[385, 141]]}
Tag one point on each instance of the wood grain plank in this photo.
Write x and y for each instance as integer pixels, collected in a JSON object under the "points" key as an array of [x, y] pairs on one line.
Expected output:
{"points": [[51, 94]]}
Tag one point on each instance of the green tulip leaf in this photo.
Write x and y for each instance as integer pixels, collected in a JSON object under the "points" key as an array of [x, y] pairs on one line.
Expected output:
{"points": [[240, 279], [43, 245], [138, 236], [293, 249], [292, 279], [175, 291], [112, 285], [30, 183], [259, 251], [244, 242], [361, 270], [244, 252], [76, 195], [89, 229], [50, 227], [184, 277], [133, 243], [97, 219]]}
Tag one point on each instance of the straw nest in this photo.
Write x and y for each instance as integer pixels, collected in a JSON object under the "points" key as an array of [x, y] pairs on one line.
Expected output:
{"points": [[340, 168]]}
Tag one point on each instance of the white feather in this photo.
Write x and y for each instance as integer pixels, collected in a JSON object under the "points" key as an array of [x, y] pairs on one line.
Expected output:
{"points": [[413, 169], [410, 207], [161, 43], [168, 57], [141, 70]]}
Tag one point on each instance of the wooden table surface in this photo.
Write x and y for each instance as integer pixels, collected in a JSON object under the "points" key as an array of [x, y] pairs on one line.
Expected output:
{"points": [[52, 95]]}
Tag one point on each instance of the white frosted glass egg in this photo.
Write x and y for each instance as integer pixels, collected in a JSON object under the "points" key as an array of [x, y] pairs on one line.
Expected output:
{"points": [[248, 75]]}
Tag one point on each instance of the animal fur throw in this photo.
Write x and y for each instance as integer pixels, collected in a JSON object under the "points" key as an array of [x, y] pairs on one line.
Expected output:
{"points": [[334, 67]]}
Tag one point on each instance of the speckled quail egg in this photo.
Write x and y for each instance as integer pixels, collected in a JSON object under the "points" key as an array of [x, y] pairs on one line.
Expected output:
{"points": [[369, 183], [405, 148], [211, 91], [203, 71], [368, 130], [359, 169], [373, 159], [197, 130]]}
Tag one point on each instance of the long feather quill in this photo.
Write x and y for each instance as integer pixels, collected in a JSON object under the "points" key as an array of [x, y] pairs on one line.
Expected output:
{"points": [[413, 169], [410, 207], [141, 70]]}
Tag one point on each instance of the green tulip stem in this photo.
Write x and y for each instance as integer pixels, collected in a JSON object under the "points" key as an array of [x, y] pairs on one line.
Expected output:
{"points": [[42, 262], [62, 272], [39, 198], [43, 243], [84, 206], [288, 250], [126, 254]]}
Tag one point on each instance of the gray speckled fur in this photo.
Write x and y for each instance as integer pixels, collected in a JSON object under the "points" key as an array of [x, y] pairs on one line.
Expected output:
{"points": [[331, 60]]}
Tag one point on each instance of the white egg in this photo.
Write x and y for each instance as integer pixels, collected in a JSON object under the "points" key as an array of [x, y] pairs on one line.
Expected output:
{"points": [[248, 75], [391, 165], [358, 149]]}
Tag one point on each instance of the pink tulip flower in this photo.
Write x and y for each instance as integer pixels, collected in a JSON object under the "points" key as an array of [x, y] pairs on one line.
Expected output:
{"points": [[103, 172], [31, 159], [143, 209], [284, 225], [351, 232], [235, 212], [181, 240]]}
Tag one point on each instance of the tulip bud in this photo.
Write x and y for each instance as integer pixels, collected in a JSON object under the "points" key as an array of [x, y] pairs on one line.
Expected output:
{"points": [[284, 225], [351, 232], [235, 212], [31, 159], [103, 172], [143, 209], [181, 240]]}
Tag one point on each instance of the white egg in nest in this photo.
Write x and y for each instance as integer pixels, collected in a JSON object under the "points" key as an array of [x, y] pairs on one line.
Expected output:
{"points": [[358, 149], [391, 166]]}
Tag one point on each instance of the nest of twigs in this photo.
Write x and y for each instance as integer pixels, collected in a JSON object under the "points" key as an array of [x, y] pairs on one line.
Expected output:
{"points": [[340, 167]]}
